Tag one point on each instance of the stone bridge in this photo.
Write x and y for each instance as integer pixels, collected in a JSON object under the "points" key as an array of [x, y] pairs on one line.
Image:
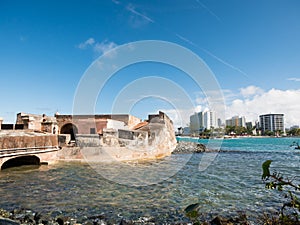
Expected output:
{"points": [[27, 156], [27, 148]]}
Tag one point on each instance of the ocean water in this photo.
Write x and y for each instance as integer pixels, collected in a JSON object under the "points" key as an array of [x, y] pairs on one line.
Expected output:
{"points": [[160, 189]]}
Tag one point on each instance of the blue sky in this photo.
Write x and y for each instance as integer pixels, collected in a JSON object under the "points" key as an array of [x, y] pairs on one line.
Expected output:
{"points": [[252, 47]]}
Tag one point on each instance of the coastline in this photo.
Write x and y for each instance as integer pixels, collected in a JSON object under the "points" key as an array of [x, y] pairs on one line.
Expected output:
{"points": [[82, 189]]}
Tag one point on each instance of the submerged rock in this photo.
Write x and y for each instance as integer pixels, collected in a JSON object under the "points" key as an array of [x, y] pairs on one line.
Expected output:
{"points": [[189, 147]]}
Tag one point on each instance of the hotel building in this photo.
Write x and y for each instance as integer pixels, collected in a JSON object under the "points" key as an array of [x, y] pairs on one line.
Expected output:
{"points": [[271, 122]]}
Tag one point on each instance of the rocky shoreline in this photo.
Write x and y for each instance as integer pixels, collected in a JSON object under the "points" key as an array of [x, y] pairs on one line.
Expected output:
{"points": [[29, 217]]}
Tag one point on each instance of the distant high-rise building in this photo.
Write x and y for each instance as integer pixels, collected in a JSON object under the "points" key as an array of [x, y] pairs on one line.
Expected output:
{"points": [[196, 122], [219, 122], [249, 125], [236, 122], [210, 120], [202, 120], [271, 122]]}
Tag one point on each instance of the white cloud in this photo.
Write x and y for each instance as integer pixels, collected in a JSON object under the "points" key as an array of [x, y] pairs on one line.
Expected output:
{"points": [[294, 79], [250, 91], [88, 42], [272, 101], [104, 47], [198, 108]]}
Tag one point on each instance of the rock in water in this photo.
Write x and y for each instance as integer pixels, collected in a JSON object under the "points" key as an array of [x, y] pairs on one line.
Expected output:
{"points": [[189, 147]]}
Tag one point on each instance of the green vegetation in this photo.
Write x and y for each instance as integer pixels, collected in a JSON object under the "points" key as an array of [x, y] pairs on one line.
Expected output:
{"points": [[289, 212], [294, 132], [238, 130]]}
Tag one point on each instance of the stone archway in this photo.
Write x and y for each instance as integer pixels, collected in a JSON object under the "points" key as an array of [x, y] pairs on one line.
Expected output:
{"points": [[20, 161], [69, 128]]}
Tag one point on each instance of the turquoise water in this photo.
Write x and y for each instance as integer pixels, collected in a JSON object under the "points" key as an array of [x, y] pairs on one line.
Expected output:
{"points": [[232, 183], [250, 144]]}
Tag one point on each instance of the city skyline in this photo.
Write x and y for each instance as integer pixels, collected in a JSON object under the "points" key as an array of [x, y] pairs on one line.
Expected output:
{"points": [[251, 47]]}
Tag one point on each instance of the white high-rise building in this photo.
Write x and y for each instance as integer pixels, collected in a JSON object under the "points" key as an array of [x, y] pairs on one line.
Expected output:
{"points": [[210, 120], [203, 120]]}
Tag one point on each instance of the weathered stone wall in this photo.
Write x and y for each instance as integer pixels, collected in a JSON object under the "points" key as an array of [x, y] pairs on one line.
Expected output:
{"points": [[133, 121], [161, 133], [70, 154], [26, 139], [64, 139], [84, 123], [88, 140], [30, 121]]}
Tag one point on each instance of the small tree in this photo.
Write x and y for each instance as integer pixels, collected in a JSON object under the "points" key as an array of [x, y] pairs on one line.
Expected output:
{"points": [[291, 192]]}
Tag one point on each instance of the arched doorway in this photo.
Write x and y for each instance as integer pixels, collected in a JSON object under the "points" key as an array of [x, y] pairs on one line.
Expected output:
{"points": [[20, 161], [69, 128]]}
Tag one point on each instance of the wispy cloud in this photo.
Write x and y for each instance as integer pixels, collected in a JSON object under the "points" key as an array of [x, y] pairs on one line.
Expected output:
{"points": [[224, 62], [294, 79], [98, 47], [211, 54], [131, 8], [186, 40], [208, 10]]}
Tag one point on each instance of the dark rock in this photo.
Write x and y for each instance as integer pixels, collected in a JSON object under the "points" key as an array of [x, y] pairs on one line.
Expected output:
{"points": [[37, 217], [125, 222], [221, 221], [101, 217], [60, 220], [45, 222], [29, 218]]}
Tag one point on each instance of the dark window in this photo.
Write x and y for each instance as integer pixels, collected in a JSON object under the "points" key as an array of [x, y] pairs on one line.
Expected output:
{"points": [[92, 130]]}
